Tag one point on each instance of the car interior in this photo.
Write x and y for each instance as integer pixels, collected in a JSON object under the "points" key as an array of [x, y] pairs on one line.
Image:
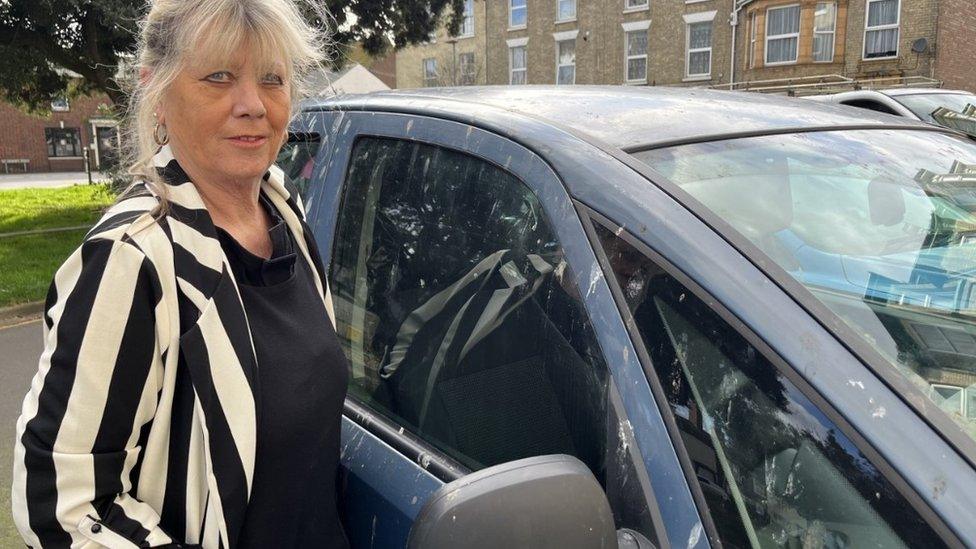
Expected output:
{"points": [[474, 343], [772, 468]]}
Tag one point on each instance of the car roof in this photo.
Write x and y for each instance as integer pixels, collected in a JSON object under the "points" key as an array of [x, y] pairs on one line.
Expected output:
{"points": [[621, 116], [894, 92]]}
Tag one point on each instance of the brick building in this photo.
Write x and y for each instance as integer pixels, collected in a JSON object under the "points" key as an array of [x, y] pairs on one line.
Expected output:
{"points": [[956, 31], [56, 143], [697, 42]]}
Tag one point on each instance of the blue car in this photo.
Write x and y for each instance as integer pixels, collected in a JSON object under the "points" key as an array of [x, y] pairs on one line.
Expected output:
{"points": [[646, 317]]}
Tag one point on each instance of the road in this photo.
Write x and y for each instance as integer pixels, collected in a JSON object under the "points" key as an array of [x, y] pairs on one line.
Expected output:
{"points": [[45, 180], [20, 346]]}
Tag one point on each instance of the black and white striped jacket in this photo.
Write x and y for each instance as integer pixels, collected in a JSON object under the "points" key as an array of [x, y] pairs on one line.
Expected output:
{"points": [[139, 428]]}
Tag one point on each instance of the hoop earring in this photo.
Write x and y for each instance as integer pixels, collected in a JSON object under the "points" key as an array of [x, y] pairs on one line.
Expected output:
{"points": [[160, 140]]}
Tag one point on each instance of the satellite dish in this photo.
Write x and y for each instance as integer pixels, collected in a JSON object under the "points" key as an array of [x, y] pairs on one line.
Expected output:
{"points": [[920, 46]]}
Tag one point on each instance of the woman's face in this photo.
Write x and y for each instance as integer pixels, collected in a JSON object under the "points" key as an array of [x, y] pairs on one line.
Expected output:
{"points": [[226, 123]]}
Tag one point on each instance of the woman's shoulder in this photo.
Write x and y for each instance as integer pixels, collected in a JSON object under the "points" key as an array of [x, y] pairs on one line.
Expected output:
{"points": [[132, 219]]}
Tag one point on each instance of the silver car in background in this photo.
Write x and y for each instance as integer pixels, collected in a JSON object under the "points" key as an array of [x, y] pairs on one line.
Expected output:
{"points": [[913, 103]]}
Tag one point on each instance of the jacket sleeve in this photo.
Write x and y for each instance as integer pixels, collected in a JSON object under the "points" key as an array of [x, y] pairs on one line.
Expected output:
{"points": [[94, 393]]}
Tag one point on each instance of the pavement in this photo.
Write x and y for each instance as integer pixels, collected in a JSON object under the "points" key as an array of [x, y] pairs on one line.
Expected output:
{"points": [[46, 180], [20, 347]]}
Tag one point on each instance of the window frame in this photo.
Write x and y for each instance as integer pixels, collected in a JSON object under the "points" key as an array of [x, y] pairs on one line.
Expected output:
{"points": [[864, 39], [592, 218], [77, 147], [512, 45], [832, 33], [463, 80], [413, 443], [962, 395], [630, 6], [524, 8], [688, 51], [569, 18], [628, 57], [768, 38], [467, 17], [753, 39], [429, 79], [559, 43], [61, 104]]}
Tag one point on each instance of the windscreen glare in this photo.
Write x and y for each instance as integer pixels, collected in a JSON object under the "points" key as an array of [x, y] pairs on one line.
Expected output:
{"points": [[879, 225]]}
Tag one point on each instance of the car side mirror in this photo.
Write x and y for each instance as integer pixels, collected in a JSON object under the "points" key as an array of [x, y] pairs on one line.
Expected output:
{"points": [[546, 501]]}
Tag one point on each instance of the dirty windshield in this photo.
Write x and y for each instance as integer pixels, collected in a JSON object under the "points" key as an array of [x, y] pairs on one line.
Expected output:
{"points": [[879, 225]]}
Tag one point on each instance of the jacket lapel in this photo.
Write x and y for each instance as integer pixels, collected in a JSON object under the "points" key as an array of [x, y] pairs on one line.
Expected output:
{"points": [[216, 345], [288, 205]]}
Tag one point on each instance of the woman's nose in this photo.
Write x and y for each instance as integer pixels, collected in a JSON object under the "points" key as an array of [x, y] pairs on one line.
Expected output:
{"points": [[248, 100]]}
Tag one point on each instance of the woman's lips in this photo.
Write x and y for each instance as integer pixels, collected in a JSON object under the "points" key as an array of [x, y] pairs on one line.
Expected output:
{"points": [[248, 141]]}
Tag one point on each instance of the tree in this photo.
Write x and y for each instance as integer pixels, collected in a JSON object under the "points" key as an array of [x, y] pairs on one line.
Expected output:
{"points": [[46, 44], [453, 69]]}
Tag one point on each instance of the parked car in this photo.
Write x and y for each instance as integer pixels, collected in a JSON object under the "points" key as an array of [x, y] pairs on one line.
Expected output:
{"points": [[747, 320], [913, 103]]}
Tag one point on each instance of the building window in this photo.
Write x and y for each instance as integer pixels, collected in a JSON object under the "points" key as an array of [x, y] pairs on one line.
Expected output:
{"points": [[782, 34], [63, 142], [635, 5], [881, 29], [566, 61], [516, 13], [753, 34], [430, 72], [467, 24], [699, 46], [565, 10], [824, 23], [517, 65], [950, 398], [469, 70], [60, 104], [636, 56]]}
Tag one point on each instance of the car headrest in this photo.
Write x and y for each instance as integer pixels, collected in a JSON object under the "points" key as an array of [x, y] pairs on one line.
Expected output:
{"points": [[886, 202]]}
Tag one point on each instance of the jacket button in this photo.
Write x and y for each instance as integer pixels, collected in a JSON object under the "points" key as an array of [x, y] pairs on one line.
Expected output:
{"points": [[96, 528]]}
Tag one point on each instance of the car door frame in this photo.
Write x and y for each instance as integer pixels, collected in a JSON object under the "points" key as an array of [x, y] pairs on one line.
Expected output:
{"points": [[672, 508]]}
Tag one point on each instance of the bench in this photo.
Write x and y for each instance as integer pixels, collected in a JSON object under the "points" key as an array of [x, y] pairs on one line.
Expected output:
{"points": [[8, 161]]}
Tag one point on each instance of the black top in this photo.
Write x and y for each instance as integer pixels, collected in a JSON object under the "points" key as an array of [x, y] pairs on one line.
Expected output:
{"points": [[302, 376]]}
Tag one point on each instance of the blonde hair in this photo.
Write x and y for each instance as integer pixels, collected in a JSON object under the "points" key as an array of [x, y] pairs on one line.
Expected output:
{"points": [[211, 30]]}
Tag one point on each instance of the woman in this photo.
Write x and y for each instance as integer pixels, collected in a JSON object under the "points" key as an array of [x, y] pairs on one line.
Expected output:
{"points": [[191, 386]]}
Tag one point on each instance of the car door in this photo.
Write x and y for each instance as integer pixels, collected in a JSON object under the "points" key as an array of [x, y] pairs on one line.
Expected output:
{"points": [[456, 261], [773, 464]]}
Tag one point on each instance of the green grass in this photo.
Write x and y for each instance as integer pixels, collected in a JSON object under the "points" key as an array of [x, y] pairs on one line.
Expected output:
{"points": [[29, 263], [33, 209]]}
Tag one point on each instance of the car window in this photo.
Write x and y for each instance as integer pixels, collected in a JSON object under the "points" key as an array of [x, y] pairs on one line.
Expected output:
{"points": [[878, 225], [924, 104], [454, 306], [871, 105], [775, 471], [297, 159]]}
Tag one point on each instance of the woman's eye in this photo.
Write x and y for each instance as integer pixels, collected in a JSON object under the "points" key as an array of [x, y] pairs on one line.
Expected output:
{"points": [[220, 76], [272, 78]]}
